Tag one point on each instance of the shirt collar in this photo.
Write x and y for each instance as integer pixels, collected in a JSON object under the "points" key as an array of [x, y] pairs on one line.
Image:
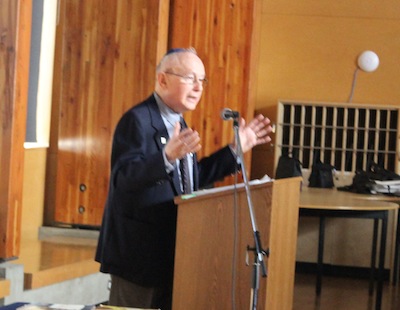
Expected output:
{"points": [[166, 112]]}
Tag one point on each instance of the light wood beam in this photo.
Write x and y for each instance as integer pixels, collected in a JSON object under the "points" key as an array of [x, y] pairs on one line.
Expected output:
{"points": [[15, 29]]}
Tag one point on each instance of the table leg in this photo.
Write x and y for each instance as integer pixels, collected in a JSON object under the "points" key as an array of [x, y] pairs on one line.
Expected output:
{"points": [[373, 257], [381, 261], [321, 241], [396, 251]]}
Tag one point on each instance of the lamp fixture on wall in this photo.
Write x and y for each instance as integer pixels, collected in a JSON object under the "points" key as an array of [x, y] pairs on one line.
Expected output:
{"points": [[367, 61]]}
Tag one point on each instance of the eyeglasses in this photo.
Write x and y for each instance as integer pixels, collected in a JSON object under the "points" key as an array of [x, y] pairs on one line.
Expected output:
{"points": [[189, 79]]}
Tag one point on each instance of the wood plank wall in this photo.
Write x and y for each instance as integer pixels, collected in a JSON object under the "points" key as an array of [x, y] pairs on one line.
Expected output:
{"points": [[15, 30], [106, 54], [224, 34]]}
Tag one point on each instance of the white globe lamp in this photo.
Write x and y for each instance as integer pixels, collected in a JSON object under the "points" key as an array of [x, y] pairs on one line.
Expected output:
{"points": [[368, 61]]}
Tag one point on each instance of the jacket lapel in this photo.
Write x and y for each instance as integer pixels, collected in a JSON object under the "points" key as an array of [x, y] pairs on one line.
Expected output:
{"points": [[161, 138]]}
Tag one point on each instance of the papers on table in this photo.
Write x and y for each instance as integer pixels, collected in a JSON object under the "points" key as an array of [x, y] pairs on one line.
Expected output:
{"points": [[386, 187]]}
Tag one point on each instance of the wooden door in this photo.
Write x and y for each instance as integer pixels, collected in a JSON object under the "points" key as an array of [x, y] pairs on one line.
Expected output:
{"points": [[106, 54]]}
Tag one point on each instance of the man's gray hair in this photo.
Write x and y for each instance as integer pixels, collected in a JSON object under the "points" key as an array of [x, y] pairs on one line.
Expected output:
{"points": [[172, 53]]}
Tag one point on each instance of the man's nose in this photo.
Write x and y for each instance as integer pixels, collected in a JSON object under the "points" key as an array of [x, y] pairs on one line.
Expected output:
{"points": [[197, 85]]}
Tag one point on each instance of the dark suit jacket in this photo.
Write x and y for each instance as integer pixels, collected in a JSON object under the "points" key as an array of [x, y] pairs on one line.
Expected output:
{"points": [[137, 236]]}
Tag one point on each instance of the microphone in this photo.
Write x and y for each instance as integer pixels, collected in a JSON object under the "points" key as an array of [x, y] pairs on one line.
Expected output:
{"points": [[227, 114]]}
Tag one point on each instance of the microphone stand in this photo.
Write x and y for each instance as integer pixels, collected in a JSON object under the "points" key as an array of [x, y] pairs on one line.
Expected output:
{"points": [[258, 250]]}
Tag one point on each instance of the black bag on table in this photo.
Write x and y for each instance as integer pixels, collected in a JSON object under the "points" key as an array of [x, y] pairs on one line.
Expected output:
{"points": [[288, 167], [321, 174], [363, 180]]}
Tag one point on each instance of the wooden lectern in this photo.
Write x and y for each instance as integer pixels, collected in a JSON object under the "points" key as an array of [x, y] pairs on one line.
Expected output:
{"points": [[211, 272]]}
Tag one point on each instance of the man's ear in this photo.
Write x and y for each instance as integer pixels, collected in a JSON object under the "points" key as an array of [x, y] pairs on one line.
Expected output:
{"points": [[162, 79]]}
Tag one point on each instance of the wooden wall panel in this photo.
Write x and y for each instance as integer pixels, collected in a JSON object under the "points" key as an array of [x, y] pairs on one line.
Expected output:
{"points": [[223, 34], [309, 50], [368, 9], [106, 54], [15, 26]]}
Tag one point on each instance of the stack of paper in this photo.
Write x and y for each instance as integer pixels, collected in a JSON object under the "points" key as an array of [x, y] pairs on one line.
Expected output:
{"points": [[386, 187]]}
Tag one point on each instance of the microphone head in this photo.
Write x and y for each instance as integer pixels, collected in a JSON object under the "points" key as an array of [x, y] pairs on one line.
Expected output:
{"points": [[227, 114]]}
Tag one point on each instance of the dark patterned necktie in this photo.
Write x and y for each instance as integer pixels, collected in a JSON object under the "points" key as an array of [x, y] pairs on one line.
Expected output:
{"points": [[184, 167]]}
